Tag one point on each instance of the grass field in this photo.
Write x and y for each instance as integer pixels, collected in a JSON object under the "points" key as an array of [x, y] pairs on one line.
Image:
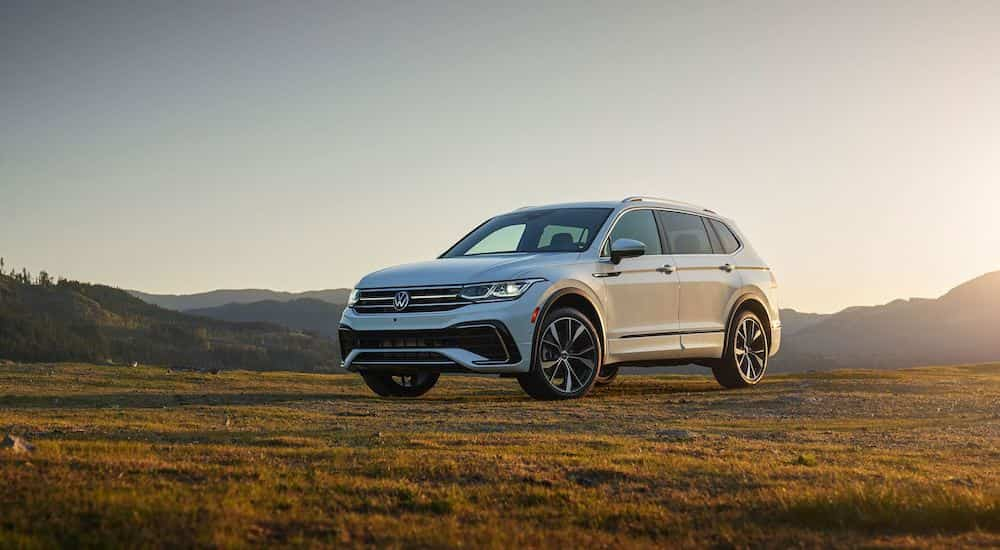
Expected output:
{"points": [[146, 456]]}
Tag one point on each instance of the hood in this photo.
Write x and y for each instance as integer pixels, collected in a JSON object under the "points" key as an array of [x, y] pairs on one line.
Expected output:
{"points": [[455, 271]]}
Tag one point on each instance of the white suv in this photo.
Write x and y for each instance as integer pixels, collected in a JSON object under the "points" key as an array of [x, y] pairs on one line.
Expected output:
{"points": [[562, 296]]}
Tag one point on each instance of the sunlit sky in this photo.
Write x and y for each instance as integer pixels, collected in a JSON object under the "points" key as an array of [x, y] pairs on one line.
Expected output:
{"points": [[185, 146]]}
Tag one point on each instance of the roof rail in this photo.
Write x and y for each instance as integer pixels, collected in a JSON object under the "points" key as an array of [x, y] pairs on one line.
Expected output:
{"points": [[641, 198]]}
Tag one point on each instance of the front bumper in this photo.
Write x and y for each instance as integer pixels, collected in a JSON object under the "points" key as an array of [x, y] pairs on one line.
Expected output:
{"points": [[513, 319]]}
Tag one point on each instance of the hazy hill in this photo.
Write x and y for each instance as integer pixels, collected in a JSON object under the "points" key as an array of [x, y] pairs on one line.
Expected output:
{"points": [[303, 314], [84, 322], [961, 326], [793, 321], [216, 298]]}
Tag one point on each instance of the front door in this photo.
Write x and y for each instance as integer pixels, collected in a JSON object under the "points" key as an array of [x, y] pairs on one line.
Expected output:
{"points": [[641, 293]]}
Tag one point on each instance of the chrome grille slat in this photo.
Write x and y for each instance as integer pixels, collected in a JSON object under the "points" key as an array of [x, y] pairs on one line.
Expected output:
{"points": [[422, 299], [432, 304]]}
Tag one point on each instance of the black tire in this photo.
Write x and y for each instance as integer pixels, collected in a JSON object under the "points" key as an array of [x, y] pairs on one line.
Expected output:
{"points": [[400, 385], [607, 376], [565, 362], [739, 368]]}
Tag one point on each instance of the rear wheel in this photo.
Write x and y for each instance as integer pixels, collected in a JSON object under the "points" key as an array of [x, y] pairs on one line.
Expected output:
{"points": [[746, 353], [566, 358], [400, 385]]}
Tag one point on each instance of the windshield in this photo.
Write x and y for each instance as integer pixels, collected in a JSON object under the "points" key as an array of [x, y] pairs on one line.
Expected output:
{"points": [[555, 230]]}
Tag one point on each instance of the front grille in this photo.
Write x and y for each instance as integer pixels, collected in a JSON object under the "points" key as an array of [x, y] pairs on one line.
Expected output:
{"points": [[487, 340], [437, 298]]}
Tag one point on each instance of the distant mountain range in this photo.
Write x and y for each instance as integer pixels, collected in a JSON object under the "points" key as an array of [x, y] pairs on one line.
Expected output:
{"points": [[216, 298], [309, 314], [962, 326], [793, 321], [73, 321]]}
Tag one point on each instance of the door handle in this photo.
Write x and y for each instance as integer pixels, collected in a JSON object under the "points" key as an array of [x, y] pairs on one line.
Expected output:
{"points": [[728, 268], [668, 269]]}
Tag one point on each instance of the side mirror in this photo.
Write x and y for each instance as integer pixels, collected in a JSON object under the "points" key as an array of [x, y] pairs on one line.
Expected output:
{"points": [[626, 248]]}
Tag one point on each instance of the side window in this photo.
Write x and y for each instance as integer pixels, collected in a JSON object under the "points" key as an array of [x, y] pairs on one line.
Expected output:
{"points": [[504, 239], [686, 233], [638, 225], [729, 241]]}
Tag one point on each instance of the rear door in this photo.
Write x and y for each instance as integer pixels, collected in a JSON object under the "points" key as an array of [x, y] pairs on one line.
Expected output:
{"points": [[641, 292], [708, 281]]}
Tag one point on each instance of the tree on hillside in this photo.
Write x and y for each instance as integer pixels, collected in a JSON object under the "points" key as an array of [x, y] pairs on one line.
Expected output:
{"points": [[44, 279]]}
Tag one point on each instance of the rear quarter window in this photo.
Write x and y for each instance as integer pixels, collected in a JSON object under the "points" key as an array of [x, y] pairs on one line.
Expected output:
{"points": [[727, 238]]}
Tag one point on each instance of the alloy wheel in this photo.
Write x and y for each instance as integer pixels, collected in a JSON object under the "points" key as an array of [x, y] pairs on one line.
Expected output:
{"points": [[568, 355], [750, 349]]}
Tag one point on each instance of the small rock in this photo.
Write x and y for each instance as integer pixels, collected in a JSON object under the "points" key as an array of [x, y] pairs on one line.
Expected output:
{"points": [[963, 481], [18, 444], [229, 421]]}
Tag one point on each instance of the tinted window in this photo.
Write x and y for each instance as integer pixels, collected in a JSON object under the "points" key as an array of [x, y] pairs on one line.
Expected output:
{"points": [[686, 233], [729, 241], [637, 225], [554, 230]]}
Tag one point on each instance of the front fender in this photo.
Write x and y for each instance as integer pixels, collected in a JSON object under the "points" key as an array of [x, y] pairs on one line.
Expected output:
{"points": [[562, 289]]}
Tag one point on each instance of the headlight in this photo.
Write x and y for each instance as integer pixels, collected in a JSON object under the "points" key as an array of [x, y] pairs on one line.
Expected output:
{"points": [[501, 290], [353, 298]]}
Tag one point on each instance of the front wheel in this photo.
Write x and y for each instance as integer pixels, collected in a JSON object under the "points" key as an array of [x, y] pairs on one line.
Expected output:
{"points": [[746, 353], [566, 358], [400, 385]]}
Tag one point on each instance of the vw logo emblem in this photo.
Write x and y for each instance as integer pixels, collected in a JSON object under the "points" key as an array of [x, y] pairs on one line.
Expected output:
{"points": [[401, 300]]}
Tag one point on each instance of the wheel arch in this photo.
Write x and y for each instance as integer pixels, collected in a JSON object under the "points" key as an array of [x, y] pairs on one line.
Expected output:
{"points": [[753, 302], [575, 297]]}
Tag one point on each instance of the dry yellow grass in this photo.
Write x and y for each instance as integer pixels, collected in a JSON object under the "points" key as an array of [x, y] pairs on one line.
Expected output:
{"points": [[146, 457]]}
